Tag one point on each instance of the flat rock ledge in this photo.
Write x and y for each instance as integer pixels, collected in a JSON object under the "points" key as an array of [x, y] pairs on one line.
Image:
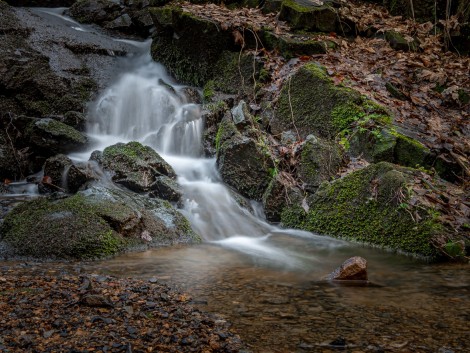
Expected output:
{"points": [[51, 312]]}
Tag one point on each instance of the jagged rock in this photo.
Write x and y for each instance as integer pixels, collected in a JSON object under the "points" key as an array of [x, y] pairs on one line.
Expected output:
{"points": [[309, 15], [166, 189], [279, 194], [123, 24], [319, 161], [96, 223], [370, 205], [353, 269], [242, 162], [136, 166], [65, 174]]}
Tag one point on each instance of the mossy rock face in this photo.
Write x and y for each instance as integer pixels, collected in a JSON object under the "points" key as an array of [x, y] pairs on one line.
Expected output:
{"points": [[317, 105], [374, 146], [411, 153], [290, 47], [187, 45], [47, 92], [306, 15], [235, 74], [367, 205], [52, 136], [139, 168], [319, 161], [96, 223]]}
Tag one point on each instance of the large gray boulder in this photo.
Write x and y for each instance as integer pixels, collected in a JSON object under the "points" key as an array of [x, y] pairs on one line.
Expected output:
{"points": [[96, 223]]}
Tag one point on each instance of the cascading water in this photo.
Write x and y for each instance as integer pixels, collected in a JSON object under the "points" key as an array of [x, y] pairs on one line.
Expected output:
{"points": [[146, 105]]}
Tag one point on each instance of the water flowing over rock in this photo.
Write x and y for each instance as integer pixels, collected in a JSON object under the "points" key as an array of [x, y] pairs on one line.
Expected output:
{"points": [[354, 268]]}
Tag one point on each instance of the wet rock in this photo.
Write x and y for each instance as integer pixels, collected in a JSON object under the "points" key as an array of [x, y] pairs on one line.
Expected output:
{"points": [[136, 166], [242, 162], [123, 24], [241, 115], [65, 174], [53, 137], [354, 268], [12, 166], [308, 15], [166, 189]]}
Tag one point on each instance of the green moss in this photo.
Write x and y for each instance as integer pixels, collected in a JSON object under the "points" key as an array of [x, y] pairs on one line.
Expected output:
{"points": [[208, 91], [410, 152], [364, 206], [310, 18], [313, 97], [454, 249], [345, 114], [56, 128], [67, 228]]}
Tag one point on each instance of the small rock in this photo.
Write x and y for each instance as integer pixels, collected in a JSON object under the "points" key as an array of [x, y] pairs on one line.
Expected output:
{"points": [[354, 268], [95, 300]]}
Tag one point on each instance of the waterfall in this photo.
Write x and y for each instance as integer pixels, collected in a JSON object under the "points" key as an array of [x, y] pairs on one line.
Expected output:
{"points": [[146, 105]]}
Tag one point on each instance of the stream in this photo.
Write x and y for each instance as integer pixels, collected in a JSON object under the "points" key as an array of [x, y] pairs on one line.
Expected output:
{"points": [[265, 280]]}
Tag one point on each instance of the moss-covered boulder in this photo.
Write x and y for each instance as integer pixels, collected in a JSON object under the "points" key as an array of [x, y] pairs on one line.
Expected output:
{"points": [[320, 160], [375, 205], [94, 224], [309, 15], [53, 137], [141, 169], [310, 102], [244, 162]]}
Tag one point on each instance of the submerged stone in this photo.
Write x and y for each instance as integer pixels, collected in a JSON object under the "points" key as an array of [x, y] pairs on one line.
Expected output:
{"points": [[353, 269]]}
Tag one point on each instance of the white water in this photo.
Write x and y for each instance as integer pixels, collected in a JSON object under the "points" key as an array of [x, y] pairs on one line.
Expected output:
{"points": [[146, 105]]}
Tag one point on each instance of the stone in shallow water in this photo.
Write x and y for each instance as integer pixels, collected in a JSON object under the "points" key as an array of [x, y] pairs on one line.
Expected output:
{"points": [[354, 268]]}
